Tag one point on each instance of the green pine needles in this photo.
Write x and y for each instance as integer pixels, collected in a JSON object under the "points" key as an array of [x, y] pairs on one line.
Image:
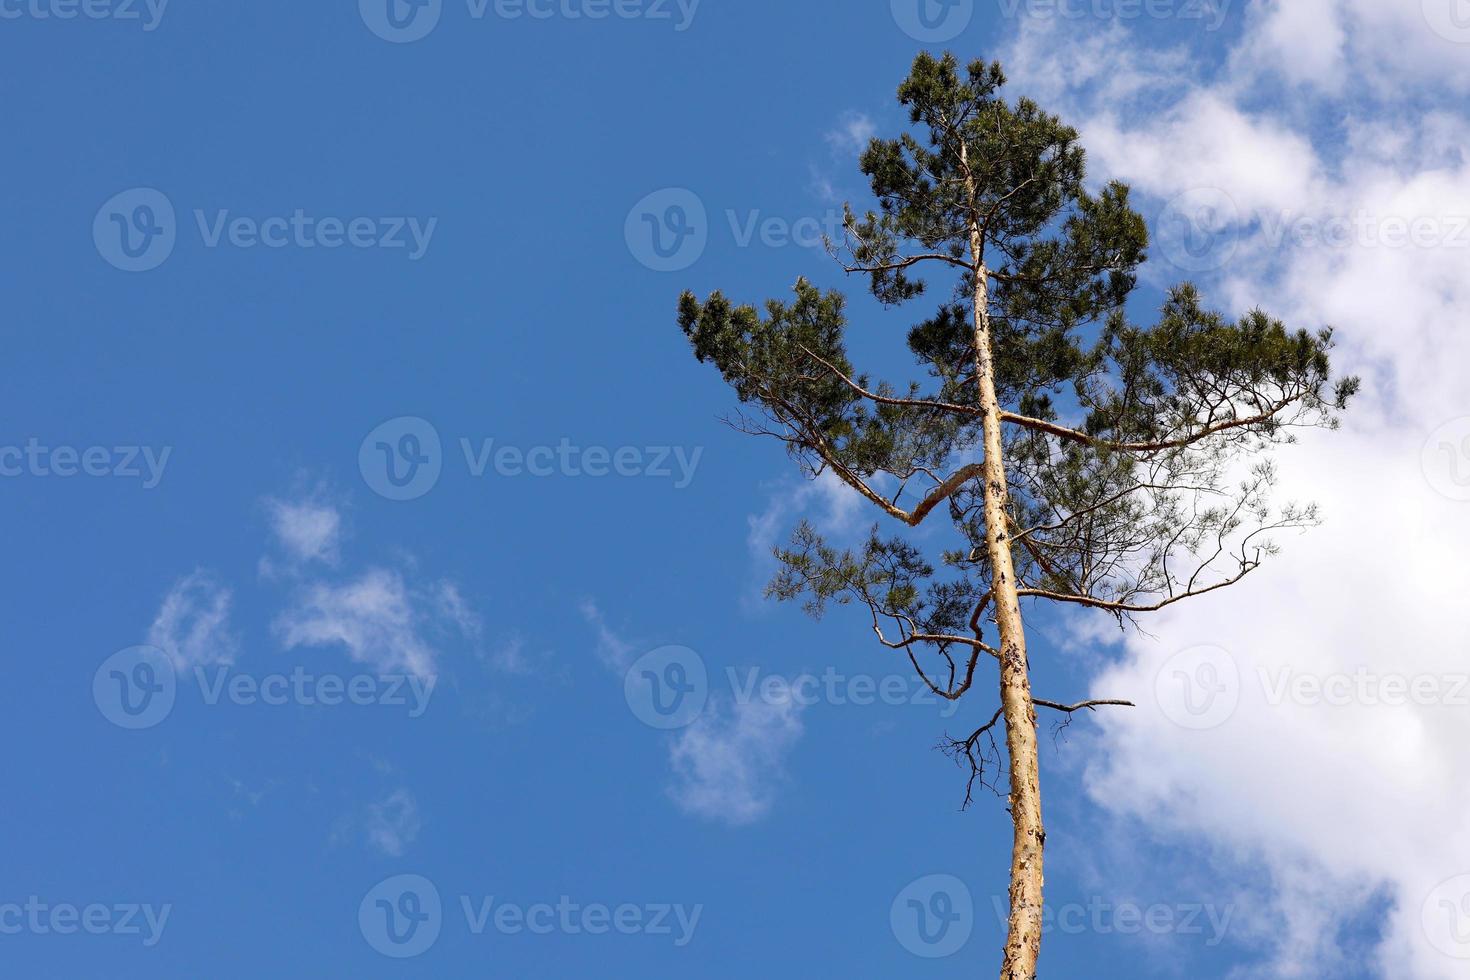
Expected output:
{"points": [[1080, 458]]}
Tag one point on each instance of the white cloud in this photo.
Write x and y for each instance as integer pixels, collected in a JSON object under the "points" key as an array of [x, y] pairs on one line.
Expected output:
{"points": [[1378, 46], [615, 652], [514, 658], [852, 134], [848, 138], [729, 763], [193, 625], [378, 616], [393, 823], [1331, 805], [306, 530], [378, 619], [453, 607], [832, 507]]}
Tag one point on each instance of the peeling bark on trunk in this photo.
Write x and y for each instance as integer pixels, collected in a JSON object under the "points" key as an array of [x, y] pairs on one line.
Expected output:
{"points": [[1023, 934]]}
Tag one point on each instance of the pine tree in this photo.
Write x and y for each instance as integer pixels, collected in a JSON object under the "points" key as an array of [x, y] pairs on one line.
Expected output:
{"points": [[1082, 459]]}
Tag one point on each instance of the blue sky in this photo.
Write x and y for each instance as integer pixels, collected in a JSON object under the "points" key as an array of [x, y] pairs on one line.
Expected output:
{"points": [[435, 254]]}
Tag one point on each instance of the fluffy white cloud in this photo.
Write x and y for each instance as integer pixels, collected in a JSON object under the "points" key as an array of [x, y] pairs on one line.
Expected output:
{"points": [[193, 624], [306, 530], [1336, 46], [730, 762], [376, 617], [1331, 802]]}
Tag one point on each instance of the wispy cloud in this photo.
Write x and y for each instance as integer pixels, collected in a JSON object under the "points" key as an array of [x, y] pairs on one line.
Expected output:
{"points": [[193, 625], [729, 764], [615, 652], [375, 617], [515, 657], [393, 823], [852, 133], [848, 138], [452, 606], [831, 506]]}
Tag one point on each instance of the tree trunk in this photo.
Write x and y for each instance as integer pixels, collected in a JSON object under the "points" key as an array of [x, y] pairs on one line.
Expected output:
{"points": [[1023, 935]]}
